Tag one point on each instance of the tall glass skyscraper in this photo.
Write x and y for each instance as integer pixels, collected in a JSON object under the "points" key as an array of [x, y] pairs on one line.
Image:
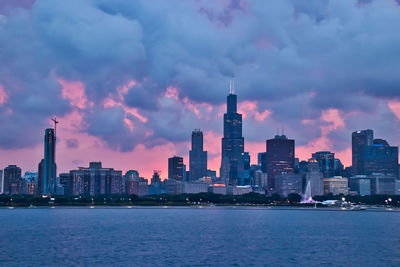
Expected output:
{"points": [[49, 166], [197, 157], [232, 142], [360, 140]]}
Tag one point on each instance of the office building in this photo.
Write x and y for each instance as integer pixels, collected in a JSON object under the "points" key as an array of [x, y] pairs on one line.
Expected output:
{"points": [[288, 183], [49, 164], [245, 179], [12, 180], [1, 181], [314, 177], [280, 157], [66, 183], [260, 179], [326, 162], [175, 168], [373, 155], [232, 142], [96, 180], [336, 185], [135, 185], [360, 185], [262, 161], [382, 184], [39, 189], [197, 157]]}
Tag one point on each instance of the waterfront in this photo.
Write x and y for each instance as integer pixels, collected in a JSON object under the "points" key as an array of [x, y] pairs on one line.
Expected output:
{"points": [[197, 236]]}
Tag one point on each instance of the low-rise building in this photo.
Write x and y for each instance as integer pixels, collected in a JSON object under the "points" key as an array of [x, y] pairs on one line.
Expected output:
{"points": [[288, 183], [336, 185]]}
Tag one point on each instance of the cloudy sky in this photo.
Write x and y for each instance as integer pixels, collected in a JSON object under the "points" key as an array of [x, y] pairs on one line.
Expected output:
{"points": [[130, 80]]}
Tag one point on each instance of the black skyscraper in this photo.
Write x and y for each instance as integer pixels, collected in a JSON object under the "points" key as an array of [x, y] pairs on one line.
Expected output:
{"points": [[232, 142], [280, 157], [197, 157], [175, 168]]}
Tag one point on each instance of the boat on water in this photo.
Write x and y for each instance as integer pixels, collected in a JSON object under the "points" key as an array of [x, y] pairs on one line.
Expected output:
{"points": [[358, 208]]}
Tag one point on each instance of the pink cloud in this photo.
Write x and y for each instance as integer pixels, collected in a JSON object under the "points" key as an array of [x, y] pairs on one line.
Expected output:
{"points": [[118, 100], [394, 106], [249, 109], [3, 95], [333, 119], [75, 92]]}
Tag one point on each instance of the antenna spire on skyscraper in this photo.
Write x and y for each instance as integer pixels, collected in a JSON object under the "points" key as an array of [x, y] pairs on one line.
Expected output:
{"points": [[231, 87]]}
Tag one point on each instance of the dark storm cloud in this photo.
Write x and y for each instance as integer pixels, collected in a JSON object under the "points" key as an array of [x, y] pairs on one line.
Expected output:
{"points": [[295, 58]]}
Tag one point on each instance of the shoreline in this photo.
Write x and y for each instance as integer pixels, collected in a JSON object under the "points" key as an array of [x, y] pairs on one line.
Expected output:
{"points": [[216, 207]]}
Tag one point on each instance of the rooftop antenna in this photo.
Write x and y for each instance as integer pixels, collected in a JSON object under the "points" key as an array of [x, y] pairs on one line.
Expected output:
{"points": [[231, 87], [283, 130]]}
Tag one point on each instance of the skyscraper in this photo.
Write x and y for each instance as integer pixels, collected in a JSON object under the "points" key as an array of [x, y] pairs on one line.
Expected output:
{"points": [[1, 181], [49, 166], [315, 178], [373, 155], [40, 177], [262, 161], [280, 157], [175, 168], [197, 157], [233, 141], [12, 180], [359, 141], [326, 162]]}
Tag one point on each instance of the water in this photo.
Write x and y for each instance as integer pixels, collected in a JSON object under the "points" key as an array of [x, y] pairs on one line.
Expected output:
{"points": [[197, 237]]}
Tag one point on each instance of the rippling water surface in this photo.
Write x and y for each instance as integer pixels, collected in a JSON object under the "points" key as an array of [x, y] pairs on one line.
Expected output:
{"points": [[197, 236]]}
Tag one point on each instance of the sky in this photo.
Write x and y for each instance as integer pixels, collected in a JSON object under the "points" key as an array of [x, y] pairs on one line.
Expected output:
{"points": [[130, 80]]}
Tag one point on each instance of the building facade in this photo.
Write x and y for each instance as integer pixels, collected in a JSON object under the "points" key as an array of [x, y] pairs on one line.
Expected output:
{"points": [[13, 183], [197, 157], [315, 178], [371, 155], [288, 183], [280, 158], [336, 185], [175, 168], [96, 180], [326, 162]]}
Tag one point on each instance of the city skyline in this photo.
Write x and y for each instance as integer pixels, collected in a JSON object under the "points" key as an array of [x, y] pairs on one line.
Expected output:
{"points": [[129, 96]]}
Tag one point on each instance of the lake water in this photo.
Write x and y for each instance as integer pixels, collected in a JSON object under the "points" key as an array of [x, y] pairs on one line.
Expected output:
{"points": [[197, 237]]}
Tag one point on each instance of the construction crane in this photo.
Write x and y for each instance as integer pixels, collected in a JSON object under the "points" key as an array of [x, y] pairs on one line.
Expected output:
{"points": [[55, 126]]}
